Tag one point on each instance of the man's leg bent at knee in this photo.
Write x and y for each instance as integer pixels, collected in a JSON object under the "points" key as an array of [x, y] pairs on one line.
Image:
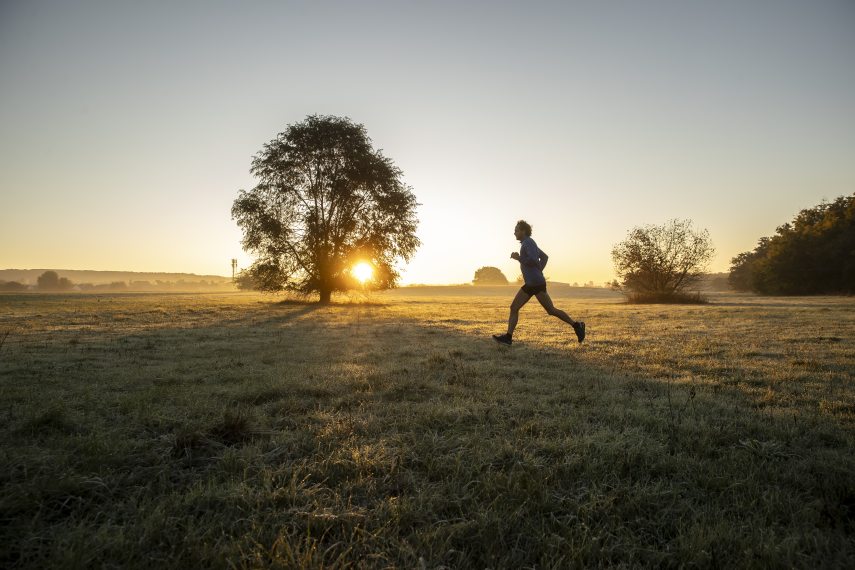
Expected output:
{"points": [[546, 302], [578, 326]]}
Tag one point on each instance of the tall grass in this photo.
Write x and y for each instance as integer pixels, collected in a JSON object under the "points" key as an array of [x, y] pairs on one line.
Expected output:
{"points": [[234, 431]]}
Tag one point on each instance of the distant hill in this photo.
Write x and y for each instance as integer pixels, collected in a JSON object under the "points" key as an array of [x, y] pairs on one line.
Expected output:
{"points": [[121, 280]]}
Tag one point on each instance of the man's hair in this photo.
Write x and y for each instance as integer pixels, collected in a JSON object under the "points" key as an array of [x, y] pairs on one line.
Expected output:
{"points": [[526, 227]]}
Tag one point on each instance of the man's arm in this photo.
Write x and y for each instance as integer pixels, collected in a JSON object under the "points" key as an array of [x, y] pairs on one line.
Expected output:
{"points": [[543, 259]]}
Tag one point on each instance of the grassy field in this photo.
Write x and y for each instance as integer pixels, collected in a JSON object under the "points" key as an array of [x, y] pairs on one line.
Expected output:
{"points": [[237, 431]]}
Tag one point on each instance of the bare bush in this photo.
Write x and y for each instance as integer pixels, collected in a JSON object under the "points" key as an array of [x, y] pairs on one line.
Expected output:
{"points": [[658, 263]]}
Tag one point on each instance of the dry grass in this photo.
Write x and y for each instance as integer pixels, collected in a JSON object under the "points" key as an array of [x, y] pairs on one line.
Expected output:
{"points": [[695, 298], [228, 431]]}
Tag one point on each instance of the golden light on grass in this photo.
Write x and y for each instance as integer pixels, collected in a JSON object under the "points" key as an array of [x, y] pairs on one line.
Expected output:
{"points": [[362, 271]]}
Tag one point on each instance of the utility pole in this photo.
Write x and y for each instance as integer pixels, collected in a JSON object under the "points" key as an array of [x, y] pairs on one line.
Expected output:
{"points": [[234, 266]]}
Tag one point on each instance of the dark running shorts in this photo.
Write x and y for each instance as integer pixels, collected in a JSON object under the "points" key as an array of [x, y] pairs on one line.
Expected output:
{"points": [[533, 289]]}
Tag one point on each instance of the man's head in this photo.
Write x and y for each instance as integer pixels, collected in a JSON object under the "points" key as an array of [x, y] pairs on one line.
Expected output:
{"points": [[522, 230]]}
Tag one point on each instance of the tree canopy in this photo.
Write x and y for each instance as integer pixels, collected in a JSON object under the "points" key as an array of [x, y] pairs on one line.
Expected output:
{"points": [[662, 261], [325, 201], [814, 254], [489, 276], [51, 281]]}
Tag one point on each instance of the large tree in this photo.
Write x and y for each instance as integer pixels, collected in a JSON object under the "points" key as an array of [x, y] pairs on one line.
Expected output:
{"points": [[660, 262], [326, 200]]}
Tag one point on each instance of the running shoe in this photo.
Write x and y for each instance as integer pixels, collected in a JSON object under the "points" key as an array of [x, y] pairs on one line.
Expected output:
{"points": [[579, 327], [503, 338]]}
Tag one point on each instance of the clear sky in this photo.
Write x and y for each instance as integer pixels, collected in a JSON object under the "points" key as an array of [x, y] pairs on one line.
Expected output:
{"points": [[127, 128]]}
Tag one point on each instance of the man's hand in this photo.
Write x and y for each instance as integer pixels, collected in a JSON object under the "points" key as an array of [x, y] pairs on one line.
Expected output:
{"points": [[515, 255]]}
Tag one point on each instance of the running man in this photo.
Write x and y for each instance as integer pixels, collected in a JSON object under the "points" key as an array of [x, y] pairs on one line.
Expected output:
{"points": [[532, 261]]}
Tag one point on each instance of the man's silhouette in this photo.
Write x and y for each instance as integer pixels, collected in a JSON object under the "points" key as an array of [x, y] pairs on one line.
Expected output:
{"points": [[532, 261]]}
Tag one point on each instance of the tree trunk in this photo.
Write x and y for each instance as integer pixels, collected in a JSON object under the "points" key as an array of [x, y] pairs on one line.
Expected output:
{"points": [[325, 297]]}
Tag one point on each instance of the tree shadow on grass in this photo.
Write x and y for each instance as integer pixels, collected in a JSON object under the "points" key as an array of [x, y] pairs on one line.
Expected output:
{"points": [[301, 310], [334, 303]]}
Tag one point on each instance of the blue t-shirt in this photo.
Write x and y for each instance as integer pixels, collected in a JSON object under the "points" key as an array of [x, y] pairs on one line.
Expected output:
{"points": [[532, 262]]}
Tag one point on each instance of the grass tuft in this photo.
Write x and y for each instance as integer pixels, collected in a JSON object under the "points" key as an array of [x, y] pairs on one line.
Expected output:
{"points": [[234, 428], [187, 442]]}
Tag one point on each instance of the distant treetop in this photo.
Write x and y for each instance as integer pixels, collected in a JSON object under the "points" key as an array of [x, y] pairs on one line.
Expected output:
{"points": [[51, 281], [489, 276]]}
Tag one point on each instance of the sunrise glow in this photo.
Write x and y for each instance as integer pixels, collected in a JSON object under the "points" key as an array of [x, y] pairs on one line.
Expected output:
{"points": [[362, 271]]}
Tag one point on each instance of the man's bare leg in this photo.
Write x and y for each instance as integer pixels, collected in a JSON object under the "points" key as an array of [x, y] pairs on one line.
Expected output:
{"points": [[521, 299], [578, 326], [551, 309]]}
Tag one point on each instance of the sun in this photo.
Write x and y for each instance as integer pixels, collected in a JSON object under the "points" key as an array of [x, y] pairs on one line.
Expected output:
{"points": [[362, 271]]}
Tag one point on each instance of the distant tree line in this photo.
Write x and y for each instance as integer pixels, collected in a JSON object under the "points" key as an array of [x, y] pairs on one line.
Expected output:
{"points": [[815, 254], [52, 282], [47, 281], [12, 286]]}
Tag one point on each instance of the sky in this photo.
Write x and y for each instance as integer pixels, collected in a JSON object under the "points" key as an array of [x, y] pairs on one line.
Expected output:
{"points": [[128, 127]]}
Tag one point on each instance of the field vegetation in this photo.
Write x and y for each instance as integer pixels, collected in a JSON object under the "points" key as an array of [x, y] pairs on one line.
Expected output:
{"points": [[240, 431]]}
